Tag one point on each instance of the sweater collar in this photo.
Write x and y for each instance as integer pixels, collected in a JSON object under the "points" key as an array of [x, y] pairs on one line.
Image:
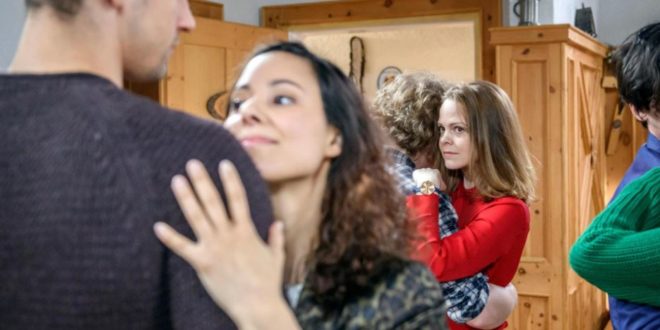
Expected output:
{"points": [[653, 143]]}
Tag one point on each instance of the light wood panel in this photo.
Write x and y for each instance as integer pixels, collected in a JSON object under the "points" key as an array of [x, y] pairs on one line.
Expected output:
{"points": [[368, 11], [205, 63], [553, 75], [626, 142], [202, 8]]}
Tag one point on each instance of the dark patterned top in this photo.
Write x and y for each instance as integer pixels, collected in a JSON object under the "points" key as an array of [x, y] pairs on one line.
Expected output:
{"points": [[85, 170], [407, 297]]}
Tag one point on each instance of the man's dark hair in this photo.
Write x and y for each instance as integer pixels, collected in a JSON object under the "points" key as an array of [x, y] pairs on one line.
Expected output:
{"points": [[638, 69], [65, 7]]}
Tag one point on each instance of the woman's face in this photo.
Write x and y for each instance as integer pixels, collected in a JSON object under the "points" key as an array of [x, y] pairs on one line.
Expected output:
{"points": [[454, 142], [277, 115]]}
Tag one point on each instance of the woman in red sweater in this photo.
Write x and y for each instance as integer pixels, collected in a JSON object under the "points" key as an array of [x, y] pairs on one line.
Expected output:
{"points": [[490, 177]]}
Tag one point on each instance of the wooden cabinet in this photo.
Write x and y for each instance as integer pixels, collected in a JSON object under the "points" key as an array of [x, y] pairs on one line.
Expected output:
{"points": [[203, 66], [553, 75]]}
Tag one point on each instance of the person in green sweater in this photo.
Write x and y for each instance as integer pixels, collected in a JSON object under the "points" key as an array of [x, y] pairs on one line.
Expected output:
{"points": [[620, 251]]}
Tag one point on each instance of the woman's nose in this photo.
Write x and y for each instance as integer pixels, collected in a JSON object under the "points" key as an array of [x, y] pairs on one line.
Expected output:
{"points": [[444, 138], [250, 112]]}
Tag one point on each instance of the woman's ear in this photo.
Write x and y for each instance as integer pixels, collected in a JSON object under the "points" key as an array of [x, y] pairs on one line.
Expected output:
{"points": [[334, 143]]}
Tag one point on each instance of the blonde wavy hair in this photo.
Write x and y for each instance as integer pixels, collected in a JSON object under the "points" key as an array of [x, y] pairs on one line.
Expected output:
{"points": [[408, 109], [500, 163]]}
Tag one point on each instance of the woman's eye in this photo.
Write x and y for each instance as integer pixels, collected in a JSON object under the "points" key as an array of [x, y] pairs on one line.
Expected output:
{"points": [[459, 129], [236, 103], [283, 100]]}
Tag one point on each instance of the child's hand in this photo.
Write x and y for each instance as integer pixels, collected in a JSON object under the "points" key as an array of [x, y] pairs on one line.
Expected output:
{"points": [[428, 174]]}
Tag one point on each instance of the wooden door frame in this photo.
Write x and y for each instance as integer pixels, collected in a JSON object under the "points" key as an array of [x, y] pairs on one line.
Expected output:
{"points": [[367, 11]]}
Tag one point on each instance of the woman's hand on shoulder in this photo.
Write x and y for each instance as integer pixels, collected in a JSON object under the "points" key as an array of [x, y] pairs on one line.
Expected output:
{"points": [[238, 269]]}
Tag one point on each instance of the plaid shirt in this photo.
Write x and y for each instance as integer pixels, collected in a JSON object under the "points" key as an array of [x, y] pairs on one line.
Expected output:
{"points": [[467, 296]]}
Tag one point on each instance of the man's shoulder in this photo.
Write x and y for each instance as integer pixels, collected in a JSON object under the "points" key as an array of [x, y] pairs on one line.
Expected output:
{"points": [[150, 120]]}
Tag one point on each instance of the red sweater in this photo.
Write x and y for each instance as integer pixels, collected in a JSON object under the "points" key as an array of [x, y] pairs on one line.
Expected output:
{"points": [[491, 238]]}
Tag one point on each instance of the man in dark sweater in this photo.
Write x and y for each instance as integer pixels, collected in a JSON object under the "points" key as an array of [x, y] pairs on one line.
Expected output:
{"points": [[85, 169]]}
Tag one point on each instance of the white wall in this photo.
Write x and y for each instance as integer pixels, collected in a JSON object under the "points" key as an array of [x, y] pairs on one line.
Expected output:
{"points": [[614, 19], [510, 19], [619, 18], [247, 11], [12, 13], [555, 11], [447, 49]]}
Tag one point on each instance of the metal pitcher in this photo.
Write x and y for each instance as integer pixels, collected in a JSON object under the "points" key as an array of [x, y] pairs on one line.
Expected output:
{"points": [[527, 12]]}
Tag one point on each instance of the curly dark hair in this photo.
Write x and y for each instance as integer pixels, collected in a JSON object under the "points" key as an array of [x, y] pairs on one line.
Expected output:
{"points": [[65, 7], [364, 232], [408, 108], [638, 69]]}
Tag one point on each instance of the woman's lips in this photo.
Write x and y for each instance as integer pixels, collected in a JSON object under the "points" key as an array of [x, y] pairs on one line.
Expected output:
{"points": [[255, 141]]}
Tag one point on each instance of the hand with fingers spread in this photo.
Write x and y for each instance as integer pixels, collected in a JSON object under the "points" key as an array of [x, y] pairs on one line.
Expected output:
{"points": [[242, 273]]}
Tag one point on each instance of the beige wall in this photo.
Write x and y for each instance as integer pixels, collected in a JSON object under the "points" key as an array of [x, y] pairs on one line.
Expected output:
{"points": [[447, 49]]}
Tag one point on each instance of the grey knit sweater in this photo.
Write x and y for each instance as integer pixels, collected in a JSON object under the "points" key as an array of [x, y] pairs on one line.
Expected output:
{"points": [[85, 170]]}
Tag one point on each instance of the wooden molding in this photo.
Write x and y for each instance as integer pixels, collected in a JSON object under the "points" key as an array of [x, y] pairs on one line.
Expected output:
{"points": [[351, 11], [203, 8], [547, 34]]}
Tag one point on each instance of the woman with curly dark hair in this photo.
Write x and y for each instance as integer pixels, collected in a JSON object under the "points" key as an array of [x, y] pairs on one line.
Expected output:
{"points": [[342, 245]]}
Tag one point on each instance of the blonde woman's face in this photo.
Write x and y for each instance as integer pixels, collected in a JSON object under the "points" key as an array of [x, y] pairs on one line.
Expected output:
{"points": [[454, 140], [277, 115]]}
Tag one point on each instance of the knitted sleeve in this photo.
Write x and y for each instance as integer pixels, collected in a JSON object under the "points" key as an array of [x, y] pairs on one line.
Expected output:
{"points": [[494, 231], [620, 251], [169, 139], [436, 218]]}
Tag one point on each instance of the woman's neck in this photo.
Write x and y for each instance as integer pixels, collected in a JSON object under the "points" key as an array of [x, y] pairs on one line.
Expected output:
{"points": [[467, 183], [297, 203]]}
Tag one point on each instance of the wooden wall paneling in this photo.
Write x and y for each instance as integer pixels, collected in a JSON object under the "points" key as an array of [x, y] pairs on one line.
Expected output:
{"points": [[206, 9], [631, 135], [204, 64], [173, 92], [325, 13], [204, 76], [620, 160], [639, 135]]}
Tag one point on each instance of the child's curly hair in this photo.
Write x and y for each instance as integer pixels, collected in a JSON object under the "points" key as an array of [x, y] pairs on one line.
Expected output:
{"points": [[408, 108]]}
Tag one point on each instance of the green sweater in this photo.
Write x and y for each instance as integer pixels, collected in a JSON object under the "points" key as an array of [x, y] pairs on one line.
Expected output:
{"points": [[620, 251]]}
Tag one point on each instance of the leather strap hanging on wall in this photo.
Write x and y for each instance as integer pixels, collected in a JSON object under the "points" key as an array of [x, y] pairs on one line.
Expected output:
{"points": [[357, 62]]}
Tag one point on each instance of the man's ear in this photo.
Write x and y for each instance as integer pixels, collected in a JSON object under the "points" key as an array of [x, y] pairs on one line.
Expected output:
{"points": [[116, 4], [640, 116], [334, 143]]}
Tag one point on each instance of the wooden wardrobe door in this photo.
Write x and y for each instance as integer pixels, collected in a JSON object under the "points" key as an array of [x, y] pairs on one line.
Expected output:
{"points": [[205, 63], [553, 75]]}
